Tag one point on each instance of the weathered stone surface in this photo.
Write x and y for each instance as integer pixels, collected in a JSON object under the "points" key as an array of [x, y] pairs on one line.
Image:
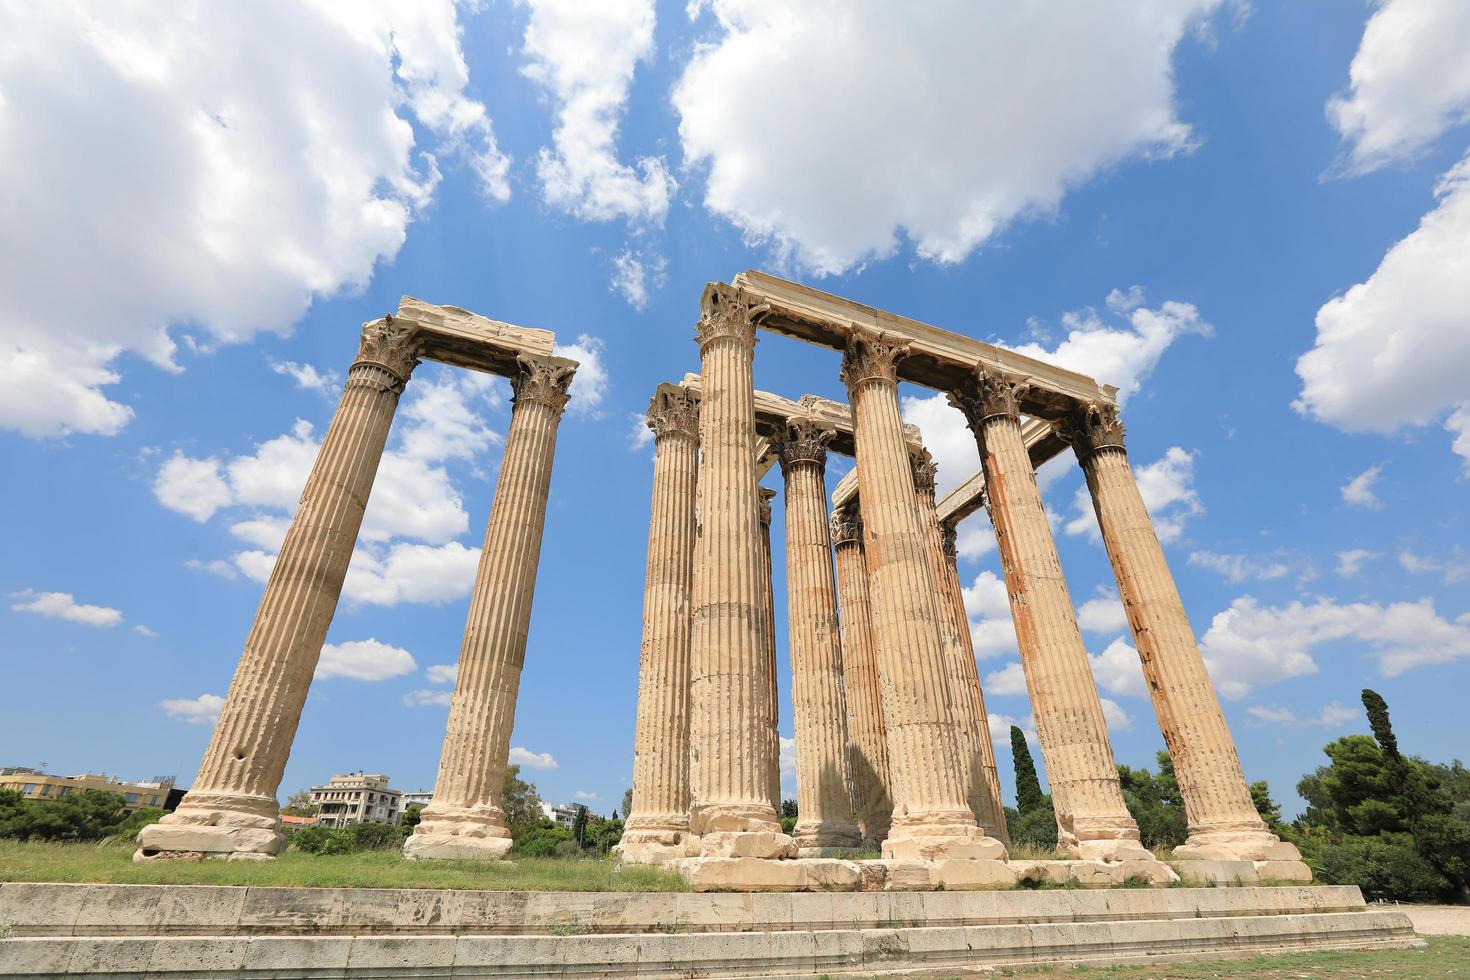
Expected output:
{"points": [[465, 819], [743, 874], [747, 843], [1216, 872], [962, 875], [920, 848]]}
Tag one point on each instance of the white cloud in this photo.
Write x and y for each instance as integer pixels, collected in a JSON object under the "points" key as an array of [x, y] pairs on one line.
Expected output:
{"points": [[583, 794], [1115, 716], [63, 605], [1009, 680], [144, 631], [1410, 81], [584, 56], [1359, 490], [409, 572], [1394, 351], [203, 710], [988, 606], [1249, 646], [1103, 613], [1416, 564], [364, 660], [260, 168], [422, 698], [787, 757], [1167, 488], [1117, 669], [1238, 568], [813, 145], [1453, 569], [975, 538], [639, 434], [635, 275], [216, 566], [1458, 425], [307, 377], [590, 383], [532, 760], [441, 673], [1120, 347], [1332, 716], [195, 487], [1350, 562]]}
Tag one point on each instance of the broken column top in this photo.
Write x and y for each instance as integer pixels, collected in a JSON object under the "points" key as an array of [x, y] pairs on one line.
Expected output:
{"points": [[455, 336]]}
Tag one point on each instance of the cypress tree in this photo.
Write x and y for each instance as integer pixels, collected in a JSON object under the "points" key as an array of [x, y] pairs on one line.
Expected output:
{"points": [[1377, 709], [1028, 786]]}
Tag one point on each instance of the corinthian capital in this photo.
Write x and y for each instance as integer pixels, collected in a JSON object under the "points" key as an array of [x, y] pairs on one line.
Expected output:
{"points": [[764, 496], [847, 526], [673, 412], [921, 461], [543, 380], [987, 394], [390, 344], [804, 441], [727, 312], [871, 355], [1092, 427]]}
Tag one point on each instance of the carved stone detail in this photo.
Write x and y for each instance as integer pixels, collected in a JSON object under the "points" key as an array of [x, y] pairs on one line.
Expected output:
{"points": [[391, 344], [804, 441], [871, 356], [951, 538], [545, 380], [673, 413], [986, 394], [847, 526], [727, 313], [921, 461], [763, 506], [1092, 427]]}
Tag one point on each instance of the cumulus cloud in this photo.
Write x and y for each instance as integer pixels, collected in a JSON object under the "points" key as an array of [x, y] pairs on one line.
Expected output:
{"points": [[988, 606], [307, 377], [583, 56], [1408, 82], [1250, 645], [639, 434], [63, 605], [635, 275], [1000, 730], [425, 697], [1009, 680], [195, 487], [203, 710], [259, 169], [1394, 351], [1350, 562], [1115, 716], [441, 673], [1102, 613], [983, 130], [364, 660], [531, 760], [787, 757], [590, 383], [1359, 490], [1120, 345], [1117, 669], [1167, 488], [1332, 716], [1238, 568]]}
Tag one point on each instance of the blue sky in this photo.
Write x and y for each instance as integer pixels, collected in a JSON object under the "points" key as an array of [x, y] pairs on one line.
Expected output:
{"points": [[1253, 218]]}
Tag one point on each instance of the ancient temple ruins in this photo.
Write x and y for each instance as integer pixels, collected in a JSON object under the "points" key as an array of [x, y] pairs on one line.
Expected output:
{"points": [[893, 746], [231, 809]]}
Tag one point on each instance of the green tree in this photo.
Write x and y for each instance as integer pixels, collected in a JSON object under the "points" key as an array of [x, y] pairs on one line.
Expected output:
{"points": [[1377, 709], [540, 840], [520, 802], [628, 803], [579, 826], [1268, 808], [136, 821], [1028, 786], [602, 835], [14, 814], [91, 814], [299, 804], [412, 814], [1155, 803]]}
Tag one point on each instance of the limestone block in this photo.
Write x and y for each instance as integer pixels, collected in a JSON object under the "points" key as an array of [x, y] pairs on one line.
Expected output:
{"points": [[747, 844], [1152, 871], [296, 955], [657, 852], [38, 957], [827, 852], [1121, 849], [210, 839], [41, 909], [1216, 872], [1283, 871], [832, 875], [943, 848], [455, 847], [960, 874], [742, 874], [904, 875], [376, 955], [112, 955]]}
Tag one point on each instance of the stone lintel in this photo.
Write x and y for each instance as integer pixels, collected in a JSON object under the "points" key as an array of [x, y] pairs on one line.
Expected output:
{"points": [[937, 358], [468, 340]]}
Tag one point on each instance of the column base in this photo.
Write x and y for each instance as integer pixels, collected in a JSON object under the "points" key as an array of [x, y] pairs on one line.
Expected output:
{"points": [[459, 833], [940, 836], [747, 844], [215, 825], [1111, 851], [651, 846], [1237, 845], [1200, 872], [827, 835]]}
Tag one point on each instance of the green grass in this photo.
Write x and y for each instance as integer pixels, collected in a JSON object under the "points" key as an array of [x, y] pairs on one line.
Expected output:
{"points": [[113, 864]]}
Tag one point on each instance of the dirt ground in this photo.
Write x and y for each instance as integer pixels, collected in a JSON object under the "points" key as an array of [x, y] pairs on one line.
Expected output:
{"points": [[1439, 920]]}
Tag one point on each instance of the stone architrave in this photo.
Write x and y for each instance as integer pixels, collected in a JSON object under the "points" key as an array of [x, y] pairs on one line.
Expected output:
{"points": [[1092, 821], [731, 709], [1222, 819], [959, 658], [954, 594], [231, 809], [465, 818], [658, 825], [931, 816], [867, 756], [824, 808], [768, 638]]}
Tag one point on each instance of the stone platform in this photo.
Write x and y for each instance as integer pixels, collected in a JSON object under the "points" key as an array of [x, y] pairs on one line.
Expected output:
{"points": [[195, 931]]}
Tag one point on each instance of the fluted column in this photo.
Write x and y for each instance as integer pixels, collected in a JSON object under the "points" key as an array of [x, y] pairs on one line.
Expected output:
{"points": [[768, 639], [232, 805], [931, 817], [731, 708], [954, 594], [824, 809], [1222, 819], [658, 826], [867, 756], [465, 819], [1092, 820]]}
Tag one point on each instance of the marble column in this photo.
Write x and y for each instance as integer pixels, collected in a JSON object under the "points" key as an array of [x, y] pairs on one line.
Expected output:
{"points": [[985, 750], [658, 826], [768, 638], [867, 756], [1222, 819], [1092, 821], [731, 709], [465, 819], [231, 809], [931, 816], [824, 808]]}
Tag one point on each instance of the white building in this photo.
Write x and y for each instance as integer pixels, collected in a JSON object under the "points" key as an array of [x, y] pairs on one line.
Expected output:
{"points": [[420, 796], [564, 815], [357, 798]]}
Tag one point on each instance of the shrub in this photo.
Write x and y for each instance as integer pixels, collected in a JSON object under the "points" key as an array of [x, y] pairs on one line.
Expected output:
{"points": [[1385, 867], [541, 841], [1036, 830]]}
